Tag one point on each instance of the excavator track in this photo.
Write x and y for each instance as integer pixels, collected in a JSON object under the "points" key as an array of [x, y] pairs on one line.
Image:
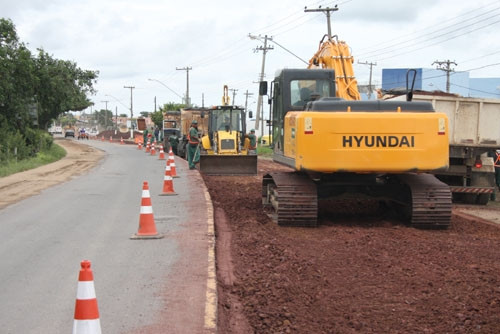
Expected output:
{"points": [[430, 201], [294, 198]]}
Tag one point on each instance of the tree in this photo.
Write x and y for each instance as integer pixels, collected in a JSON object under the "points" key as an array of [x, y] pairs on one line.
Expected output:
{"points": [[61, 86], [171, 106], [35, 87], [16, 79], [144, 114], [104, 117], [157, 118]]}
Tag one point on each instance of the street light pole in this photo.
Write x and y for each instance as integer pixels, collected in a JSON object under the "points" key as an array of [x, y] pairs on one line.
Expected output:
{"points": [[170, 89]]}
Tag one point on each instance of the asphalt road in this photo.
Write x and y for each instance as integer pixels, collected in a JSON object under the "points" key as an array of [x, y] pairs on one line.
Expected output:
{"points": [[141, 285]]}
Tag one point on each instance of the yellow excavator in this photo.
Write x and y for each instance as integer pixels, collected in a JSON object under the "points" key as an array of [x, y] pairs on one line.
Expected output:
{"points": [[340, 146], [223, 149]]}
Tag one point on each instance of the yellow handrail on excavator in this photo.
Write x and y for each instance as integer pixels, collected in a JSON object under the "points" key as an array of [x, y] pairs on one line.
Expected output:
{"points": [[336, 55]]}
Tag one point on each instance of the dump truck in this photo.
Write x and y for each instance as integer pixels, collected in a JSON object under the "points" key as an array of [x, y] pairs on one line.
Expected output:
{"points": [[474, 136], [186, 117]]}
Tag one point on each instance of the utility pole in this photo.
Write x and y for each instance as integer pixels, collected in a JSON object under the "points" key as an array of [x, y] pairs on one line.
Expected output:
{"points": [[155, 103], [370, 82], [327, 11], [247, 94], [264, 50], [106, 115], [234, 95], [445, 65], [116, 117], [187, 69], [131, 102]]}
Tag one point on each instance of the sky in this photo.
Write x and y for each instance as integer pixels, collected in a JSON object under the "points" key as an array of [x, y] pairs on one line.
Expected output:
{"points": [[146, 44]]}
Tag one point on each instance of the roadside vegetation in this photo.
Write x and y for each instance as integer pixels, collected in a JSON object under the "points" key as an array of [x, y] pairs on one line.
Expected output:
{"points": [[265, 151], [35, 89], [48, 154]]}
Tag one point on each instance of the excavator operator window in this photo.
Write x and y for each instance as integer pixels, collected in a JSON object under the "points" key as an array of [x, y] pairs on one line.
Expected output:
{"points": [[301, 91]]}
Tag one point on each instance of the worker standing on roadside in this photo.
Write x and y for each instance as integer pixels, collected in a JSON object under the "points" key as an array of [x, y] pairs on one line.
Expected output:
{"points": [[193, 142], [145, 137], [252, 147]]}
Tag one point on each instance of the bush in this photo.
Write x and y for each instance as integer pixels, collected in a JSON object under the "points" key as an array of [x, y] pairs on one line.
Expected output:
{"points": [[15, 146]]}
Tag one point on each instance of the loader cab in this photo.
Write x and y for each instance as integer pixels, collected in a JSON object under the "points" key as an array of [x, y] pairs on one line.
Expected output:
{"points": [[226, 118], [291, 90]]}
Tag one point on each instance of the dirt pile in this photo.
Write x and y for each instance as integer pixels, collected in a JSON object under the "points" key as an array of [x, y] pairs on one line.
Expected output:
{"points": [[360, 271]]}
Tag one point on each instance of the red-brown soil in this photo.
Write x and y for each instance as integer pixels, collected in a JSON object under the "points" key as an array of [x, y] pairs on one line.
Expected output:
{"points": [[360, 271]]}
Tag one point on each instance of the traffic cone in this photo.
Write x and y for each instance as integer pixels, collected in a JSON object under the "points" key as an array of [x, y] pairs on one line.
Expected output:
{"points": [[121, 140], [171, 162], [86, 311], [102, 139], [110, 139], [161, 156], [153, 151], [139, 146], [148, 148], [147, 227], [168, 184]]}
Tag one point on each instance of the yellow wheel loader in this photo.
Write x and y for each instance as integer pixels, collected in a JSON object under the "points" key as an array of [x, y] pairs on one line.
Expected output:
{"points": [[223, 149]]}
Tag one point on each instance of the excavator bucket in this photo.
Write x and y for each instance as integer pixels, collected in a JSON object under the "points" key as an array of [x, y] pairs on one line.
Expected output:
{"points": [[228, 164]]}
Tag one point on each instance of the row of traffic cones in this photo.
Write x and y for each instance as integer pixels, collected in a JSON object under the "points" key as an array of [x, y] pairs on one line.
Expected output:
{"points": [[147, 227], [86, 318]]}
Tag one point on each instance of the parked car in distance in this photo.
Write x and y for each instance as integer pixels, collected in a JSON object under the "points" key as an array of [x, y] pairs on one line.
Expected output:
{"points": [[69, 133]]}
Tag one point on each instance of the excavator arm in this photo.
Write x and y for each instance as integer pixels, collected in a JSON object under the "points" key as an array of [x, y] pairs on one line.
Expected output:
{"points": [[336, 55]]}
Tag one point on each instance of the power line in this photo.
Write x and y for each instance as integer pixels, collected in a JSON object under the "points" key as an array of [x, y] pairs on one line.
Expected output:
{"points": [[438, 42], [476, 90], [393, 41]]}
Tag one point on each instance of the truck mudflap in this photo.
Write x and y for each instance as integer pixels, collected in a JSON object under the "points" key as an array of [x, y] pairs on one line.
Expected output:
{"points": [[212, 164]]}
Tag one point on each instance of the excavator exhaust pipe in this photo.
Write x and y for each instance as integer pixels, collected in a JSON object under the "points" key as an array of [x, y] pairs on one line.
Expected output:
{"points": [[228, 164]]}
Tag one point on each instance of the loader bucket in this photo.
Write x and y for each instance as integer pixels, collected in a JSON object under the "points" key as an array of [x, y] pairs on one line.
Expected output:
{"points": [[228, 164]]}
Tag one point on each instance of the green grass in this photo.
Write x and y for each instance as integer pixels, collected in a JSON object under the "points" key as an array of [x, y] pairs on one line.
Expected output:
{"points": [[265, 151], [55, 153]]}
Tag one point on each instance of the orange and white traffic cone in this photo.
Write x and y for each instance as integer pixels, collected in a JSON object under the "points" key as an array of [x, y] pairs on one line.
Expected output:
{"points": [[148, 148], [153, 150], [168, 184], [139, 146], [121, 141], [110, 139], [102, 139], [161, 156], [171, 162], [147, 227], [86, 311]]}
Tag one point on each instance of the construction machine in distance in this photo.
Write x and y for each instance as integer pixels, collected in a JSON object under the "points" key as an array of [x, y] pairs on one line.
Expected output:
{"points": [[223, 150], [340, 146]]}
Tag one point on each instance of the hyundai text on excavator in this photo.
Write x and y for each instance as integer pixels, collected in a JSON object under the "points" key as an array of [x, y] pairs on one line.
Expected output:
{"points": [[339, 146], [223, 149]]}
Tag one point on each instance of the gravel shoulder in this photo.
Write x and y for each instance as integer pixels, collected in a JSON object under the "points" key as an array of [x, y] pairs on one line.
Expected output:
{"points": [[78, 160], [360, 271]]}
